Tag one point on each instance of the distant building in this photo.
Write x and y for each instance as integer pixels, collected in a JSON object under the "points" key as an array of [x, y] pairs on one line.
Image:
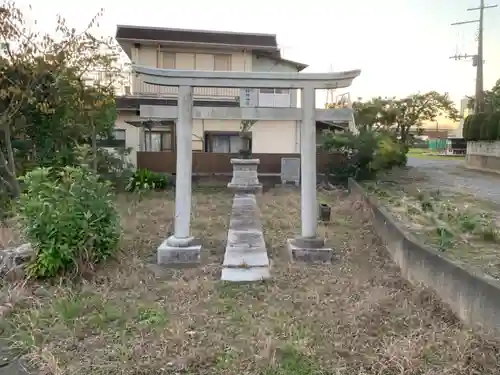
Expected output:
{"points": [[464, 112]]}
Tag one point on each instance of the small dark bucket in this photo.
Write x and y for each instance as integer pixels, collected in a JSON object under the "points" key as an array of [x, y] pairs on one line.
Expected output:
{"points": [[325, 212]]}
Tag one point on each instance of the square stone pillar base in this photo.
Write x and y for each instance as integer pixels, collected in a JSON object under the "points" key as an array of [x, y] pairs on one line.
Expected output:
{"points": [[187, 255], [309, 250], [245, 176]]}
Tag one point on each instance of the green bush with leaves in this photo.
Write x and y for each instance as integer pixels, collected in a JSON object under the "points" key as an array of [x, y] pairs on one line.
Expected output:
{"points": [[482, 127], [467, 128], [113, 166], [388, 154], [365, 154], [70, 219], [146, 180]]}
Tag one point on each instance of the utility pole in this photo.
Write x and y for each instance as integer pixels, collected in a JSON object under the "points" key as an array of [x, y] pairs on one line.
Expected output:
{"points": [[477, 59]]}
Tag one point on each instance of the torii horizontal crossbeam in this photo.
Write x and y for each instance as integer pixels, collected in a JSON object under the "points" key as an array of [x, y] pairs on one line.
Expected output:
{"points": [[160, 112], [280, 80]]}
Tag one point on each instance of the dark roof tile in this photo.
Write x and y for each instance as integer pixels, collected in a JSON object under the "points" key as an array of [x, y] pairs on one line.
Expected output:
{"points": [[195, 36]]}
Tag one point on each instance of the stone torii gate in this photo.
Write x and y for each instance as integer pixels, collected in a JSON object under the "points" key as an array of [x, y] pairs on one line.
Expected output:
{"points": [[181, 247]]}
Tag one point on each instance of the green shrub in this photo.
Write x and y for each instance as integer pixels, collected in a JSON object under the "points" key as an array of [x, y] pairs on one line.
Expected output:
{"points": [[489, 127], [494, 125], [467, 128], [477, 125], [482, 127], [69, 218], [364, 154], [111, 166], [144, 179], [388, 154]]}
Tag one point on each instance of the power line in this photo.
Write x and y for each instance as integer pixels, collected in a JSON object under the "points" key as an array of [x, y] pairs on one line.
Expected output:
{"points": [[478, 58]]}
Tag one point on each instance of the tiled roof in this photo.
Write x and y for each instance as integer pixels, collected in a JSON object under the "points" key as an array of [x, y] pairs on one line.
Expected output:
{"points": [[195, 36]]}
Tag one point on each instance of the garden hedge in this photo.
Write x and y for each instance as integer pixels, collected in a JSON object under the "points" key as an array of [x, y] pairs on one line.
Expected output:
{"points": [[482, 127]]}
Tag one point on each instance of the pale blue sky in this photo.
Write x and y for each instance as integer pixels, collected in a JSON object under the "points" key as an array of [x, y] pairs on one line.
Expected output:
{"points": [[401, 46]]}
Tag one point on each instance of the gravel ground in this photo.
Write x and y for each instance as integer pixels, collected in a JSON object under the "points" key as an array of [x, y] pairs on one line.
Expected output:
{"points": [[451, 175]]}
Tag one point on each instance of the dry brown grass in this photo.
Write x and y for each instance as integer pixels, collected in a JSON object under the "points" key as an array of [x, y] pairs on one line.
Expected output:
{"points": [[356, 316], [463, 227], [9, 234]]}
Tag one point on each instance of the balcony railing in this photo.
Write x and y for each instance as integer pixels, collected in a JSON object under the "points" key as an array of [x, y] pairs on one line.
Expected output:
{"points": [[130, 84], [141, 88]]}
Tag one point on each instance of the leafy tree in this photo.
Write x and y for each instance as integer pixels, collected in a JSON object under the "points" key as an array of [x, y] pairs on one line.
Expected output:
{"points": [[400, 115], [372, 114], [417, 108], [246, 136], [492, 98], [47, 106]]}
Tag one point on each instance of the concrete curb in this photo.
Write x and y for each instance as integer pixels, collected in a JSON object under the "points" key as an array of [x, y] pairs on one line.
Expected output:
{"points": [[472, 295], [491, 172]]}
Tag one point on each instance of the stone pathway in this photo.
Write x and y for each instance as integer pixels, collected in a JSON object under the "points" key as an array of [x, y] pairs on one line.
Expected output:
{"points": [[246, 255]]}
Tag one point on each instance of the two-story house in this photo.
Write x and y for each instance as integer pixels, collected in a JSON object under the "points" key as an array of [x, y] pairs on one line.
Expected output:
{"points": [[203, 50]]}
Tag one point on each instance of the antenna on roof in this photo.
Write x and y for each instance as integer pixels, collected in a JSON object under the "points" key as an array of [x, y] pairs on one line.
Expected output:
{"points": [[282, 49]]}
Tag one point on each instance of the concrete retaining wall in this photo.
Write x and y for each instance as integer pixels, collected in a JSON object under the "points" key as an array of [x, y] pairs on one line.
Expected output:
{"points": [[473, 296], [483, 155]]}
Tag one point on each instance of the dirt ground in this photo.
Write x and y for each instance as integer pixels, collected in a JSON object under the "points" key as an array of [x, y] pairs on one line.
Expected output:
{"points": [[355, 316]]}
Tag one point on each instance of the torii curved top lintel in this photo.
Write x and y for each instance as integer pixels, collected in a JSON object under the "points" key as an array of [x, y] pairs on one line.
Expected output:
{"points": [[199, 78]]}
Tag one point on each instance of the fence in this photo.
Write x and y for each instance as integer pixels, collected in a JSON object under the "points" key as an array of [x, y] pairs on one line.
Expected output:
{"points": [[220, 163]]}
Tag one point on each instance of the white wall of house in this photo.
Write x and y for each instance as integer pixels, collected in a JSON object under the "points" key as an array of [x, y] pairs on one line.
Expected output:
{"points": [[132, 134], [272, 137], [275, 137], [189, 59], [265, 64]]}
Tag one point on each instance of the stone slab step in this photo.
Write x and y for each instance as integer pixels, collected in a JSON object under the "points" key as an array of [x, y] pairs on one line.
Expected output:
{"points": [[247, 257], [245, 274]]}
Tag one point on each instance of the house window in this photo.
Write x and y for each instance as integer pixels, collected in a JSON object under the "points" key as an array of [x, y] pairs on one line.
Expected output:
{"points": [[158, 141], [274, 91], [227, 143], [117, 139], [168, 60], [222, 62]]}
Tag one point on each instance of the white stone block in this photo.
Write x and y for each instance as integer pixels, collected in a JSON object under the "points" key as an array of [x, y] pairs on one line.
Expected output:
{"points": [[245, 274], [174, 255]]}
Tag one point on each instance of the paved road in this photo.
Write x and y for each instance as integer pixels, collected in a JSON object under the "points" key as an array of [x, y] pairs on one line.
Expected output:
{"points": [[450, 174]]}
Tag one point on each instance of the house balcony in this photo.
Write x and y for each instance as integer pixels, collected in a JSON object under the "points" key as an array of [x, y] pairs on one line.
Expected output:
{"points": [[131, 85], [140, 88]]}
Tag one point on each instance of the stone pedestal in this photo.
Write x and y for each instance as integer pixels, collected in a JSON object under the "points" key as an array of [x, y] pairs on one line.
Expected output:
{"points": [[310, 250], [245, 176], [179, 253]]}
